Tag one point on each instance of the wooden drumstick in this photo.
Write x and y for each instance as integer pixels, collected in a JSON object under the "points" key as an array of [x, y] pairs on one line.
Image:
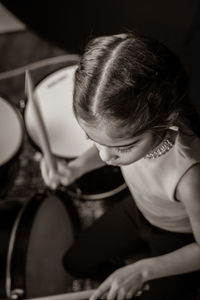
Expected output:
{"points": [[43, 137], [82, 295]]}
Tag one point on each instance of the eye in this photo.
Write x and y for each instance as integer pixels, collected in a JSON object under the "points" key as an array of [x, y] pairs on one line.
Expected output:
{"points": [[124, 150]]}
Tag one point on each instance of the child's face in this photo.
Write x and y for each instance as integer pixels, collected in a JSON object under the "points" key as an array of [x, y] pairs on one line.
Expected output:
{"points": [[121, 150]]}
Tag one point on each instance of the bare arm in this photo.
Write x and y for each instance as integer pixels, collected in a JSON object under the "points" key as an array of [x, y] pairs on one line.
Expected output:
{"points": [[126, 281], [185, 259], [88, 161], [69, 172]]}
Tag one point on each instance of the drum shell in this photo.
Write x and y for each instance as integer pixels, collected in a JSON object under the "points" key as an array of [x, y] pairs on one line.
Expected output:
{"points": [[30, 269], [8, 214]]}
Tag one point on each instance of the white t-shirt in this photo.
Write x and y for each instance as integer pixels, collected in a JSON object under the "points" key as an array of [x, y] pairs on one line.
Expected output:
{"points": [[153, 183]]}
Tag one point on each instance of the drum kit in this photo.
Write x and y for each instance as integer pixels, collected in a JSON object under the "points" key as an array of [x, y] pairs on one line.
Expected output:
{"points": [[34, 235]]}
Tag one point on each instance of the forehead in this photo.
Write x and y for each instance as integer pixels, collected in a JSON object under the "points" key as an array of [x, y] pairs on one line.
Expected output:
{"points": [[108, 134]]}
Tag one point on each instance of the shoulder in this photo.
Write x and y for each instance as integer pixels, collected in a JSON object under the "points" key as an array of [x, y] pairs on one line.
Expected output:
{"points": [[188, 192], [189, 184], [188, 146]]}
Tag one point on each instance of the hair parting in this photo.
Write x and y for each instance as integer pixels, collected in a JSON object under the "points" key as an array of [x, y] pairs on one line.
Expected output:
{"points": [[134, 82]]}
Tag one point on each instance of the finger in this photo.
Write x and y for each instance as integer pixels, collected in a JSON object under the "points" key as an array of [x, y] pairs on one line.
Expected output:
{"points": [[65, 180], [132, 293], [62, 166], [129, 295], [101, 291], [66, 177], [113, 292], [138, 293], [38, 156], [65, 173], [45, 172], [54, 180], [104, 295], [96, 295], [121, 294]]}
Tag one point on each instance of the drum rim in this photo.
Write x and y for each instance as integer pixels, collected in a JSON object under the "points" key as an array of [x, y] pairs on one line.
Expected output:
{"points": [[12, 245], [40, 82], [21, 138], [99, 196]]}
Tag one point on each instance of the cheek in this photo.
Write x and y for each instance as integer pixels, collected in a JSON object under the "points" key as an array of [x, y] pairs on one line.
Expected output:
{"points": [[137, 152], [146, 147]]}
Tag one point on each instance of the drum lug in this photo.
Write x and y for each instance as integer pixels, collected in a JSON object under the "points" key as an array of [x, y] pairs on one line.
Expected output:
{"points": [[22, 105], [16, 294]]}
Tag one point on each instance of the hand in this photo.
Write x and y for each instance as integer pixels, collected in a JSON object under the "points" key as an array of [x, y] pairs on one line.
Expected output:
{"points": [[65, 175], [123, 284]]}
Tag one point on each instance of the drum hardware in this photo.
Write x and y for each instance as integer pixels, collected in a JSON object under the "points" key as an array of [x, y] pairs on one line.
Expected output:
{"points": [[22, 105], [16, 294], [75, 191]]}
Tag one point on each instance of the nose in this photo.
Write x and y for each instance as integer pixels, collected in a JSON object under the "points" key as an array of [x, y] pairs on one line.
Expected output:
{"points": [[106, 153]]}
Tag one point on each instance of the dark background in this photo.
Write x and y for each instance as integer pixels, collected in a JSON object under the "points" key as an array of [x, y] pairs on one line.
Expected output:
{"points": [[70, 24]]}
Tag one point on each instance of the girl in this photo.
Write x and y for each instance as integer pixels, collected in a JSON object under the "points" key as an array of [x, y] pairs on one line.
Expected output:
{"points": [[131, 99]]}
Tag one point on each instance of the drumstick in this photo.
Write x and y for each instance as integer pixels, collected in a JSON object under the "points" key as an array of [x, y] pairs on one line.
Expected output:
{"points": [[82, 295], [44, 141]]}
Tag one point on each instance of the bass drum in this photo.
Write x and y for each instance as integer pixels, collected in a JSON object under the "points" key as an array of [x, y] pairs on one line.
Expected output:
{"points": [[67, 140], [11, 138], [34, 238]]}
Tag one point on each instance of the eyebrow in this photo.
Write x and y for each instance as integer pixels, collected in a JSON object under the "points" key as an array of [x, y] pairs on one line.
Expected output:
{"points": [[117, 146]]}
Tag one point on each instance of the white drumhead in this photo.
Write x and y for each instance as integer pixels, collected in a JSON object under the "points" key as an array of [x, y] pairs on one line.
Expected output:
{"points": [[10, 131], [54, 95]]}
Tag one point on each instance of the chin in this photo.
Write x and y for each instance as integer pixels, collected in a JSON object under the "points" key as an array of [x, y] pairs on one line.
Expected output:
{"points": [[119, 164], [126, 163]]}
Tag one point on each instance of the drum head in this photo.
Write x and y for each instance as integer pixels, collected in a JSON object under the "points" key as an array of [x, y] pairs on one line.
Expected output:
{"points": [[54, 95], [99, 184], [11, 133], [44, 234]]}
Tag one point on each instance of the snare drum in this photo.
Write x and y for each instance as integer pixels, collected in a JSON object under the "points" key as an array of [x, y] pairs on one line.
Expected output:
{"points": [[11, 136], [34, 237], [67, 140]]}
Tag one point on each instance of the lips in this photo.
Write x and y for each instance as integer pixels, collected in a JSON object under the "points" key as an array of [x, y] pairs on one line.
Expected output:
{"points": [[112, 163], [109, 162]]}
